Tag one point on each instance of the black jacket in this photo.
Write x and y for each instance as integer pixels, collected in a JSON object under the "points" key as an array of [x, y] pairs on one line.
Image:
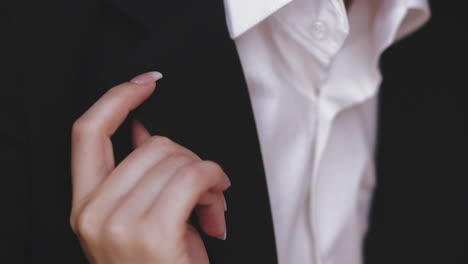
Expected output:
{"points": [[58, 57]]}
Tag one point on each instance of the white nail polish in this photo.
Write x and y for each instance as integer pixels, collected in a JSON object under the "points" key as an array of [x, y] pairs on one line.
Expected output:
{"points": [[224, 236], [147, 77]]}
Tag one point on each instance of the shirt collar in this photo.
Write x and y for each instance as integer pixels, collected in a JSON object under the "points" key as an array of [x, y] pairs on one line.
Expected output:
{"points": [[417, 14], [242, 15]]}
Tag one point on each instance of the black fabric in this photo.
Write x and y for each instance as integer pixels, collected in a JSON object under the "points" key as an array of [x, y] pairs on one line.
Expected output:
{"points": [[57, 57], [420, 210]]}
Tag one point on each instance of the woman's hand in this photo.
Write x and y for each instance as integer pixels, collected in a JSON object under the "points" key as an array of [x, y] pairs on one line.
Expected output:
{"points": [[138, 212]]}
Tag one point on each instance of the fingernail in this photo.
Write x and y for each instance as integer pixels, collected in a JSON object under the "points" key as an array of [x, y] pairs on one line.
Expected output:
{"points": [[224, 236], [148, 77]]}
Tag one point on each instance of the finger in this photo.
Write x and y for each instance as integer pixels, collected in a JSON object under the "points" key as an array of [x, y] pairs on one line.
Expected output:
{"points": [[139, 134], [131, 170], [138, 200], [211, 215], [184, 191], [92, 155]]}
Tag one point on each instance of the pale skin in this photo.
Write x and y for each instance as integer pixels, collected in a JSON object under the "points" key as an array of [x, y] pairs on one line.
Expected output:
{"points": [[138, 211]]}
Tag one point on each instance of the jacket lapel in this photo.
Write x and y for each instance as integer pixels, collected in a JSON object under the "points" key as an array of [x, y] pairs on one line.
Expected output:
{"points": [[202, 103]]}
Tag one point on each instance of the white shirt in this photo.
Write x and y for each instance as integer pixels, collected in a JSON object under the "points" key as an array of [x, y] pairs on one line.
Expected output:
{"points": [[312, 72]]}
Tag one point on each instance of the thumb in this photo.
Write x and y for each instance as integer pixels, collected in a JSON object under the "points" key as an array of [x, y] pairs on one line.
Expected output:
{"points": [[139, 134]]}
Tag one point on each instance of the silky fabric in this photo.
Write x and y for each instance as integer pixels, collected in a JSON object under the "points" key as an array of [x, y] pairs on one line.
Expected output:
{"points": [[312, 73], [58, 57]]}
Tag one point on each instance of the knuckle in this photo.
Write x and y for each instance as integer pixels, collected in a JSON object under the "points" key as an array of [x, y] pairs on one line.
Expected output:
{"points": [[180, 159], [214, 167], [160, 142], [116, 232], [218, 173], [81, 128], [85, 225], [191, 174]]}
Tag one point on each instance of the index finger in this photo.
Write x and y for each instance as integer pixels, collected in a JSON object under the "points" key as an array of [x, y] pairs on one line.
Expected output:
{"points": [[92, 153]]}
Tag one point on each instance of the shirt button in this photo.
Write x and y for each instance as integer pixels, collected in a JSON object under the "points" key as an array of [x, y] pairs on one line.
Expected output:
{"points": [[319, 30]]}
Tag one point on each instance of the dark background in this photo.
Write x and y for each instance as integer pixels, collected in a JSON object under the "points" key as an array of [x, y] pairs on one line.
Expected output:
{"points": [[420, 212], [55, 60]]}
